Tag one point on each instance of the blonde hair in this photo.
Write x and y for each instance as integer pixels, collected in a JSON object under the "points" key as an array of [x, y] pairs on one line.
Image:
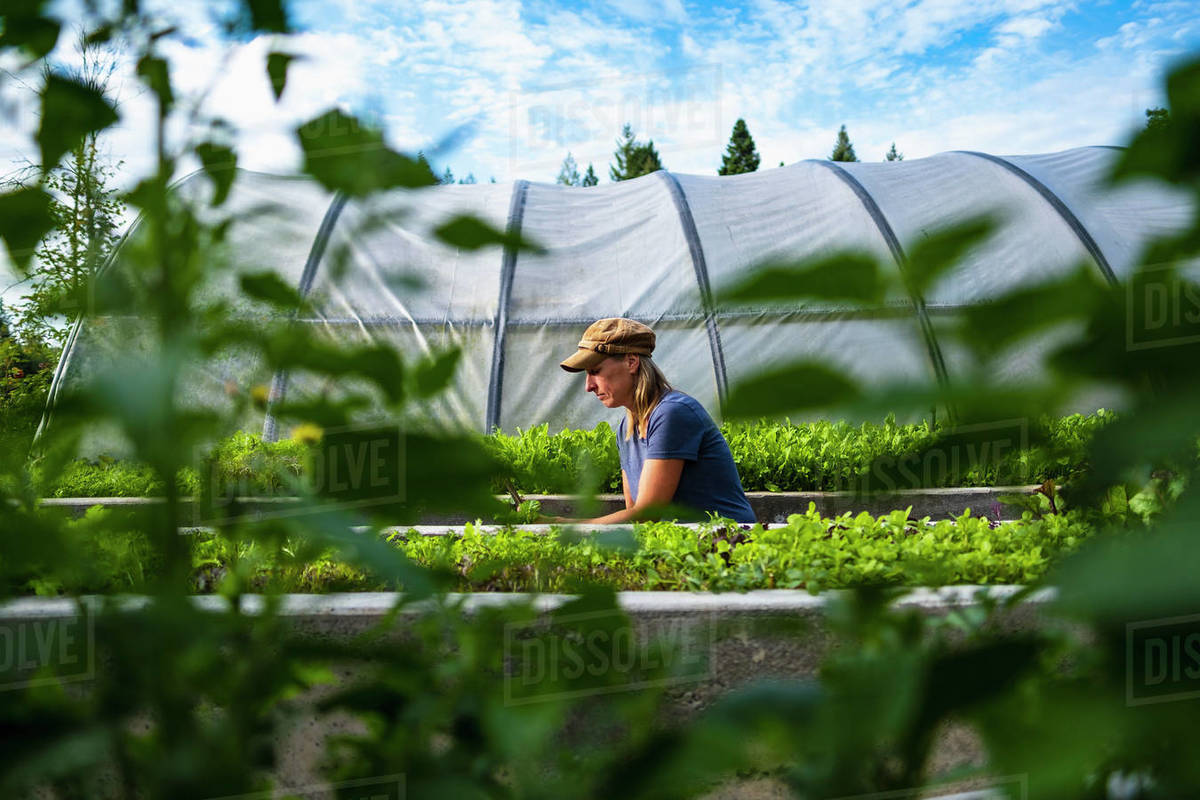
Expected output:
{"points": [[649, 385]]}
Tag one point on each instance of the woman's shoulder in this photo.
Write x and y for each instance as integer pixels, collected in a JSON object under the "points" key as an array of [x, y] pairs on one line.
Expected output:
{"points": [[676, 396], [677, 402]]}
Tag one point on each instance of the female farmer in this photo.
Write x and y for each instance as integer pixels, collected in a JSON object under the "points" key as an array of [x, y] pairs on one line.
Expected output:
{"points": [[671, 450]]}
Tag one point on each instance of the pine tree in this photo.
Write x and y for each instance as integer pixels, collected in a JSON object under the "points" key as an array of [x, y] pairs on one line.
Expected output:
{"points": [[469, 179], [843, 150], [892, 155], [624, 151], [447, 176], [86, 209], [1156, 117], [569, 174], [645, 160], [633, 159], [589, 177], [740, 154], [422, 160]]}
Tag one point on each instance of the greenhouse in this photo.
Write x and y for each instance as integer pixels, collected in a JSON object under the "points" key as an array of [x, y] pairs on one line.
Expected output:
{"points": [[659, 249]]}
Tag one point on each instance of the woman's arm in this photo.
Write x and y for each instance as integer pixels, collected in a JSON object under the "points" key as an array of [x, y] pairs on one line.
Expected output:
{"points": [[660, 479], [624, 489]]}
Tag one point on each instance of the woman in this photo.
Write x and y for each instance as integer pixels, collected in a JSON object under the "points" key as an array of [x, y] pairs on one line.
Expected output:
{"points": [[671, 450]]}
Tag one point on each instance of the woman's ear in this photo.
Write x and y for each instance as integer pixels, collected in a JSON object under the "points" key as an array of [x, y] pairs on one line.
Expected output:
{"points": [[634, 362]]}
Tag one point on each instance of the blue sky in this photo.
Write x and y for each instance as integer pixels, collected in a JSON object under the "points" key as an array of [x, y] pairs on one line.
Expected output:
{"points": [[539, 78], [536, 79]]}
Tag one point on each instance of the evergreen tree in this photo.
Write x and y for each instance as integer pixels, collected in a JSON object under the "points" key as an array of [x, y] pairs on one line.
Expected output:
{"points": [[492, 179], [469, 179], [447, 176], [421, 159], [569, 174], [892, 155], [589, 177], [87, 211], [624, 152], [781, 163], [633, 159], [740, 154], [645, 160], [1156, 117], [843, 150]]}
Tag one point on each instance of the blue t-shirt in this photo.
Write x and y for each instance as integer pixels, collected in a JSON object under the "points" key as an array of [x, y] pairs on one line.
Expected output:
{"points": [[679, 427]]}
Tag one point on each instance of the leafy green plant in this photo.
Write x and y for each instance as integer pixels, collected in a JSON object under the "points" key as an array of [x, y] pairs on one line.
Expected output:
{"points": [[770, 456], [537, 461], [26, 369], [809, 552]]}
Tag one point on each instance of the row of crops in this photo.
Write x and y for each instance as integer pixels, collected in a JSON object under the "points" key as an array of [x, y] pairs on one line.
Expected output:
{"points": [[770, 456], [809, 552]]}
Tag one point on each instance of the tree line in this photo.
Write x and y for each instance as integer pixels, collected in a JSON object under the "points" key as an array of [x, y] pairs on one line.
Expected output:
{"points": [[632, 158]]}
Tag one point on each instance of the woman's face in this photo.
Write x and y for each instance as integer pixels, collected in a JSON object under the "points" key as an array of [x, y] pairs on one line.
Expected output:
{"points": [[612, 381]]}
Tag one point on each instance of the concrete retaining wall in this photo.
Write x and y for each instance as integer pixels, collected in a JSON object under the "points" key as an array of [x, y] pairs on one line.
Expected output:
{"points": [[356, 609]]}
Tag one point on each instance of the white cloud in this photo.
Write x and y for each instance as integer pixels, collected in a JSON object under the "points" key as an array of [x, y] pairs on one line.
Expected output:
{"points": [[1025, 27]]}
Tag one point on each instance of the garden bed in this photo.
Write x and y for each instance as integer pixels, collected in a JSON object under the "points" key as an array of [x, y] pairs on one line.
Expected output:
{"points": [[770, 457], [810, 552]]}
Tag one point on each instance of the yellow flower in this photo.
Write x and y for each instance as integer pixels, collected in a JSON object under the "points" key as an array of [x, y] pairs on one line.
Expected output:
{"points": [[308, 433], [259, 395]]}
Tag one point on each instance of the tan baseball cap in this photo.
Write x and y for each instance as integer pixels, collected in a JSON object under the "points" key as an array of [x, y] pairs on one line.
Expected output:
{"points": [[610, 337]]}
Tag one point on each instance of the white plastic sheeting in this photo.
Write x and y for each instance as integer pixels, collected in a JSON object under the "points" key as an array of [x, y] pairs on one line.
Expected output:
{"points": [[657, 248]]}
